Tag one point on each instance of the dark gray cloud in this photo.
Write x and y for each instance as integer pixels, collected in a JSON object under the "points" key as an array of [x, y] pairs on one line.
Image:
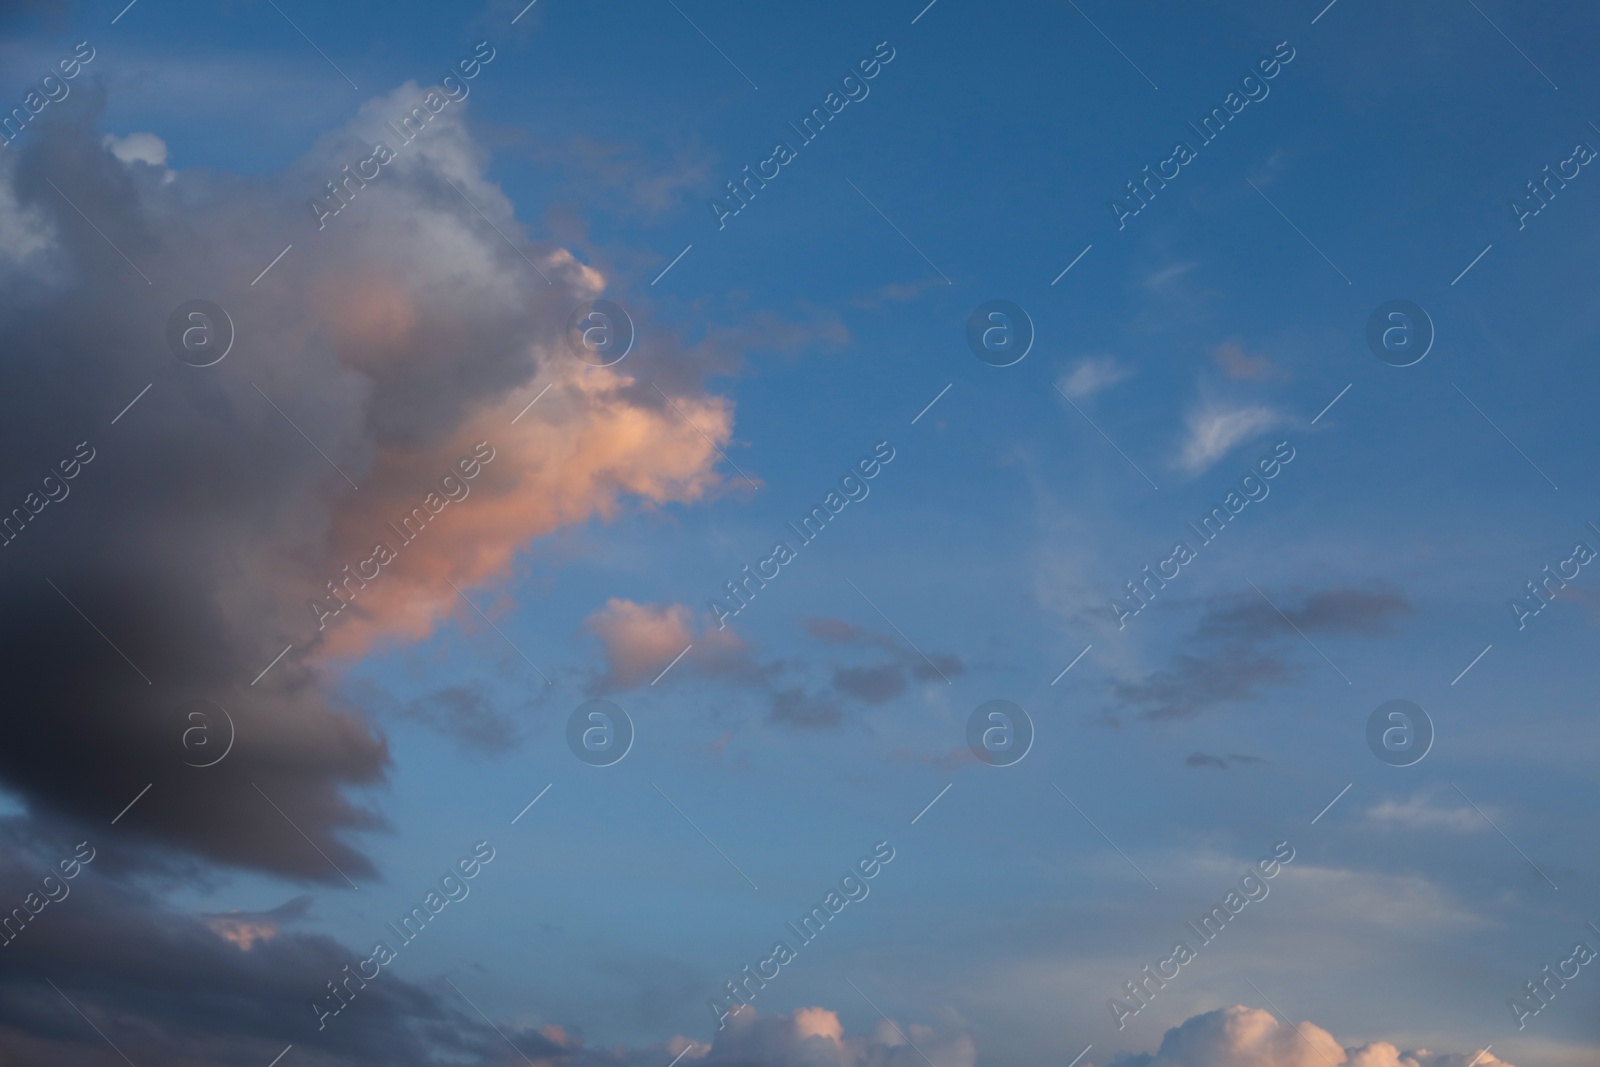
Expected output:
{"points": [[1241, 647], [804, 711], [1369, 612], [184, 990], [877, 684], [173, 989], [185, 553], [464, 713], [884, 680], [1223, 762]]}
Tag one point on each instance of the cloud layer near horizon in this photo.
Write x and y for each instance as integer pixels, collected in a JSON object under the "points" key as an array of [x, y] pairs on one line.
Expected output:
{"points": [[1240, 1036]]}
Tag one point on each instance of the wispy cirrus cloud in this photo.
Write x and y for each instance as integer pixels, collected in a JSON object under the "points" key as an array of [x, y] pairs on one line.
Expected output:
{"points": [[1215, 428], [1426, 811], [1092, 374]]}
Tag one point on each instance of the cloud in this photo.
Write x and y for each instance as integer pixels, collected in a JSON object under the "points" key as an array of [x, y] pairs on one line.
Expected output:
{"points": [[191, 547], [1092, 374], [1240, 1036], [1423, 811], [1192, 684], [814, 1037], [643, 640], [175, 989], [1240, 646], [892, 293], [464, 714], [1222, 763], [245, 928], [645, 185], [1215, 428], [797, 708], [138, 148], [1163, 278], [834, 631], [883, 681], [1236, 363], [640, 639], [1363, 612], [877, 684]]}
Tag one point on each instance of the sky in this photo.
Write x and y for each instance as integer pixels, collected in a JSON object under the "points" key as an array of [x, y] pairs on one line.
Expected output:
{"points": [[1085, 545]]}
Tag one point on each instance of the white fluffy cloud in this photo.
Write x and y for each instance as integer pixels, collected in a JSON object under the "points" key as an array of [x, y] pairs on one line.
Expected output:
{"points": [[1249, 1037], [138, 148]]}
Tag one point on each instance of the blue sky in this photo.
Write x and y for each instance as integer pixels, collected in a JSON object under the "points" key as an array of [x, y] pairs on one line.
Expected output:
{"points": [[1180, 349]]}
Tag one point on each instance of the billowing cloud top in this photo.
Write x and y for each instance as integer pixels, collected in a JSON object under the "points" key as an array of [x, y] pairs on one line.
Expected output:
{"points": [[1249, 1037], [402, 339]]}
